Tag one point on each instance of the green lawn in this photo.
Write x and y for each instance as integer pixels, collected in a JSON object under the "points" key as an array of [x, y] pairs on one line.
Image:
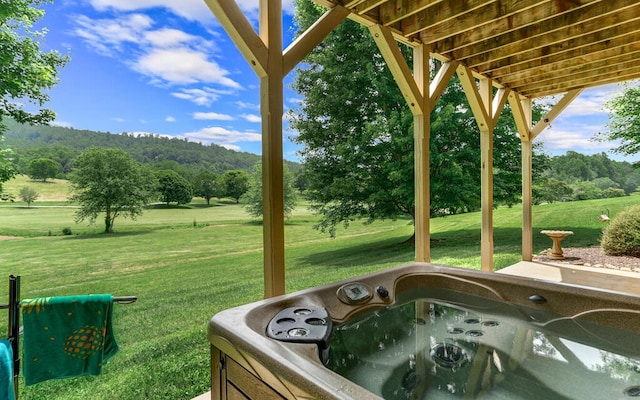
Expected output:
{"points": [[186, 264]]}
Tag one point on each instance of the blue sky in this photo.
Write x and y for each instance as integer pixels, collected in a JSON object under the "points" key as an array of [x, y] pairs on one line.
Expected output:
{"points": [[167, 67]]}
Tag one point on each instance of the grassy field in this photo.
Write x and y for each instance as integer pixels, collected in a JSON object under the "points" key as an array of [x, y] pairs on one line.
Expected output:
{"points": [[186, 264]]}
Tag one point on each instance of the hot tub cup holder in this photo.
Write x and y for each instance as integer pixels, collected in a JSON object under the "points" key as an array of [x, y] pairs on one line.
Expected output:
{"points": [[305, 324]]}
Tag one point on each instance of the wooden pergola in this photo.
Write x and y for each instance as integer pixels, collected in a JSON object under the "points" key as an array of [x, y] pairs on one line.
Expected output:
{"points": [[513, 51]]}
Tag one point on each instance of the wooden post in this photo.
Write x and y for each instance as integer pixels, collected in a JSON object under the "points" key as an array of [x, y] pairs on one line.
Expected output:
{"points": [[422, 134], [527, 200], [486, 109], [271, 106], [265, 55], [523, 116], [421, 95]]}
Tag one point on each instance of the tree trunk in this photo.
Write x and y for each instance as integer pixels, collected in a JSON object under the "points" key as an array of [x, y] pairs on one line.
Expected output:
{"points": [[108, 224]]}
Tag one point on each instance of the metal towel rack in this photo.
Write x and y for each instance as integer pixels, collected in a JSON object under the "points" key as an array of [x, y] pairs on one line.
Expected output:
{"points": [[14, 322]]}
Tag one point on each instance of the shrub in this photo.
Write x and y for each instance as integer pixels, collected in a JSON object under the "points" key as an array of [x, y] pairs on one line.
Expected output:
{"points": [[66, 231], [613, 192], [622, 236]]}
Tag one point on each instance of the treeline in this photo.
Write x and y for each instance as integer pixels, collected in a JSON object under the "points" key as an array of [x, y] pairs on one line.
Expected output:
{"points": [[63, 145], [576, 176]]}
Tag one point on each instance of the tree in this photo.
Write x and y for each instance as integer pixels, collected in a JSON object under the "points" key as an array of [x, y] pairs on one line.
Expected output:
{"points": [[7, 168], [25, 69], [43, 168], [253, 197], [551, 190], [586, 191], [28, 195], [173, 187], [108, 180], [356, 133], [208, 185], [624, 120], [236, 183]]}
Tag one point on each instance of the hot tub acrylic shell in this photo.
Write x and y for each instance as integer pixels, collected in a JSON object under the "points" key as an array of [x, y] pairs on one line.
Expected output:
{"points": [[245, 363]]}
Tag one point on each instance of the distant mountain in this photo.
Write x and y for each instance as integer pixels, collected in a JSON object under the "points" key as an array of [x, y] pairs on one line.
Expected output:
{"points": [[64, 144]]}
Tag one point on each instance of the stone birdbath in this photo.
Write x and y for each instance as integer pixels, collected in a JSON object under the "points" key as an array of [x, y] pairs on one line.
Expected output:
{"points": [[556, 237]]}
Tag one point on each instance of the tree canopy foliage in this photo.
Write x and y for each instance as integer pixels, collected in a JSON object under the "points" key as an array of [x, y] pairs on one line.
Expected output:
{"points": [[576, 176], [26, 71], [356, 133], [236, 183], [208, 185], [62, 144], [28, 195], [109, 181], [624, 120], [173, 187], [43, 169], [252, 198]]}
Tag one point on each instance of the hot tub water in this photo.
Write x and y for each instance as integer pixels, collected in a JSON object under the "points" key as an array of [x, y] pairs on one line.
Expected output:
{"points": [[441, 344]]}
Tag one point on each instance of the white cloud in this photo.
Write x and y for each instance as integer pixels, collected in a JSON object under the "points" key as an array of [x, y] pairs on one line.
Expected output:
{"points": [[167, 56], [230, 147], [222, 136], [170, 119], [194, 10], [251, 117], [244, 104], [182, 66], [212, 116], [201, 97], [168, 37], [62, 124], [108, 36]]}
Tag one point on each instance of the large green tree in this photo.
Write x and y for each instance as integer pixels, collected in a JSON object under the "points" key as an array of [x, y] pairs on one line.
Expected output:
{"points": [[173, 187], [43, 168], [624, 120], [26, 71], [253, 198], [356, 133], [108, 180], [236, 183], [208, 184]]}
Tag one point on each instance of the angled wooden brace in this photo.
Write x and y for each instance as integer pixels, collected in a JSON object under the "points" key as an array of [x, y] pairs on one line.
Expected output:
{"points": [[241, 33], [306, 42]]}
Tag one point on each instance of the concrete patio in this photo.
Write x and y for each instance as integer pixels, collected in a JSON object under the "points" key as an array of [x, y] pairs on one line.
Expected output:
{"points": [[600, 278]]}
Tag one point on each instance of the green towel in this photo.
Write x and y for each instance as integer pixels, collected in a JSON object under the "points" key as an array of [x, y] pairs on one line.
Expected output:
{"points": [[66, 336]]}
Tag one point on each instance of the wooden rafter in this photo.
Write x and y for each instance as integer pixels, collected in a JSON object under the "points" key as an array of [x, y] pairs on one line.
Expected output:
{"points": [[533, 47]]}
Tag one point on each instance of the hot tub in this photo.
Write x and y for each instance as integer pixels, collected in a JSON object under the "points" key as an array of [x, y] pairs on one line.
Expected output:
{"points": [[424, 331]]}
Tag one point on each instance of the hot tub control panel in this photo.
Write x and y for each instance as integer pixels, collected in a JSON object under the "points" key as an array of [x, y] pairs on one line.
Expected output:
{"points": [[354, 293]]}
